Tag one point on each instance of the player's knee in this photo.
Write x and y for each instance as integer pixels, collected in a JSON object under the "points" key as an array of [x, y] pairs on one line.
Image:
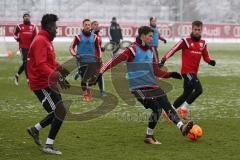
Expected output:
{"points": [[199, 91], [60, 111]]}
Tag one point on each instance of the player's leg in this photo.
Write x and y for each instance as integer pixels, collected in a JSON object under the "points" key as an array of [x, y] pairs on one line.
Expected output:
{"points": [[77, 73], [20, 70], [187, 90], [156, 52], [153, 119], [172, 114], [84, 85], [197, 91], [180, 102], [52, 102], [59, 115], [47, 103], [101, 85], [25, 54], [116, 48]]}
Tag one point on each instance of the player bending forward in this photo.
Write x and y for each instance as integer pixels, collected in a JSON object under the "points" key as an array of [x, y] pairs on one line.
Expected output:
{"points": [[142, 67]]}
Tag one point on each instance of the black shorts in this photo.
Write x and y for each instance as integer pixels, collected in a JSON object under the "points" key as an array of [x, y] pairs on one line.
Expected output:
{"points": [[48, 98], [191, 82], [88, 70], [155, 99], [24, 54]]}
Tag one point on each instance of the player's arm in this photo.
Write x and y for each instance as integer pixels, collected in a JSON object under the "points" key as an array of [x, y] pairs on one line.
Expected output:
{"points": [[161, 73], [16, 33], [40, 58], [162, 38], [55, 76], [124, 56], [98, 42], [35, 31], [206, 57], [73, 45], [110, 33], [180, 45]]}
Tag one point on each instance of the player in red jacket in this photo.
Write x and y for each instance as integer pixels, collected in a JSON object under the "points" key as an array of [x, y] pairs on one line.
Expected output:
{"points": [[44, 73], [24, 34], [193, 49]]}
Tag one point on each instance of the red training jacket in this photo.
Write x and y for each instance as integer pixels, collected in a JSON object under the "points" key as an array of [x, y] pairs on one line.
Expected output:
{"points": [[41, 61], [192, 52], [25, 34], [128, 56]]}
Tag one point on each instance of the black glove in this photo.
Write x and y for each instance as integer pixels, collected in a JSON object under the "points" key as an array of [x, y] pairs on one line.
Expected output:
{"points": [[102, 49], [64, 84], [63, 71], [161, 64], [212, 62], [17, 39], [176, 75], [165, 41]]}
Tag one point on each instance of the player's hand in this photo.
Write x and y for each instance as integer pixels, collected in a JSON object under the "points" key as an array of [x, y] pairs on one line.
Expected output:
{"points": [[63, 71], [165, 41], [176, 75], [161, 64], [64, 84], [102, 49], [212, 62]]}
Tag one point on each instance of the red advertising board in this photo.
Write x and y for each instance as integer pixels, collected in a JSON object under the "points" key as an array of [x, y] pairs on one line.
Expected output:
{"points": [[168, 30]]}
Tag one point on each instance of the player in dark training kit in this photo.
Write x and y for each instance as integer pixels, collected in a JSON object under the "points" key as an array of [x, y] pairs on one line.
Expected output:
{"points": [[24, 34], [142, 67], [44, 74], [193, 49]]}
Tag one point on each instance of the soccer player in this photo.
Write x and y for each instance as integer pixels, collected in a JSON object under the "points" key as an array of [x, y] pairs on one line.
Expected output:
{"points": [[142, 67], [88, 54], [156, 35], [193, 49], [96, 29], [115, 34], [24, 34], [44, 73]]}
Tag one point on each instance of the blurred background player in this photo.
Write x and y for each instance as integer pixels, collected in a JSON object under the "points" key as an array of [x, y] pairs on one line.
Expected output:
{"points": [[193, 49], [141, 59], [44, 72], [88, 55], [156, 35], [115, 34], [24, 34], [96, 29]]}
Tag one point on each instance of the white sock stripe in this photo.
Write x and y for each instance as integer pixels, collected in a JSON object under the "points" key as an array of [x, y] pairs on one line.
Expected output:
{"points": [[49, 99]]}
